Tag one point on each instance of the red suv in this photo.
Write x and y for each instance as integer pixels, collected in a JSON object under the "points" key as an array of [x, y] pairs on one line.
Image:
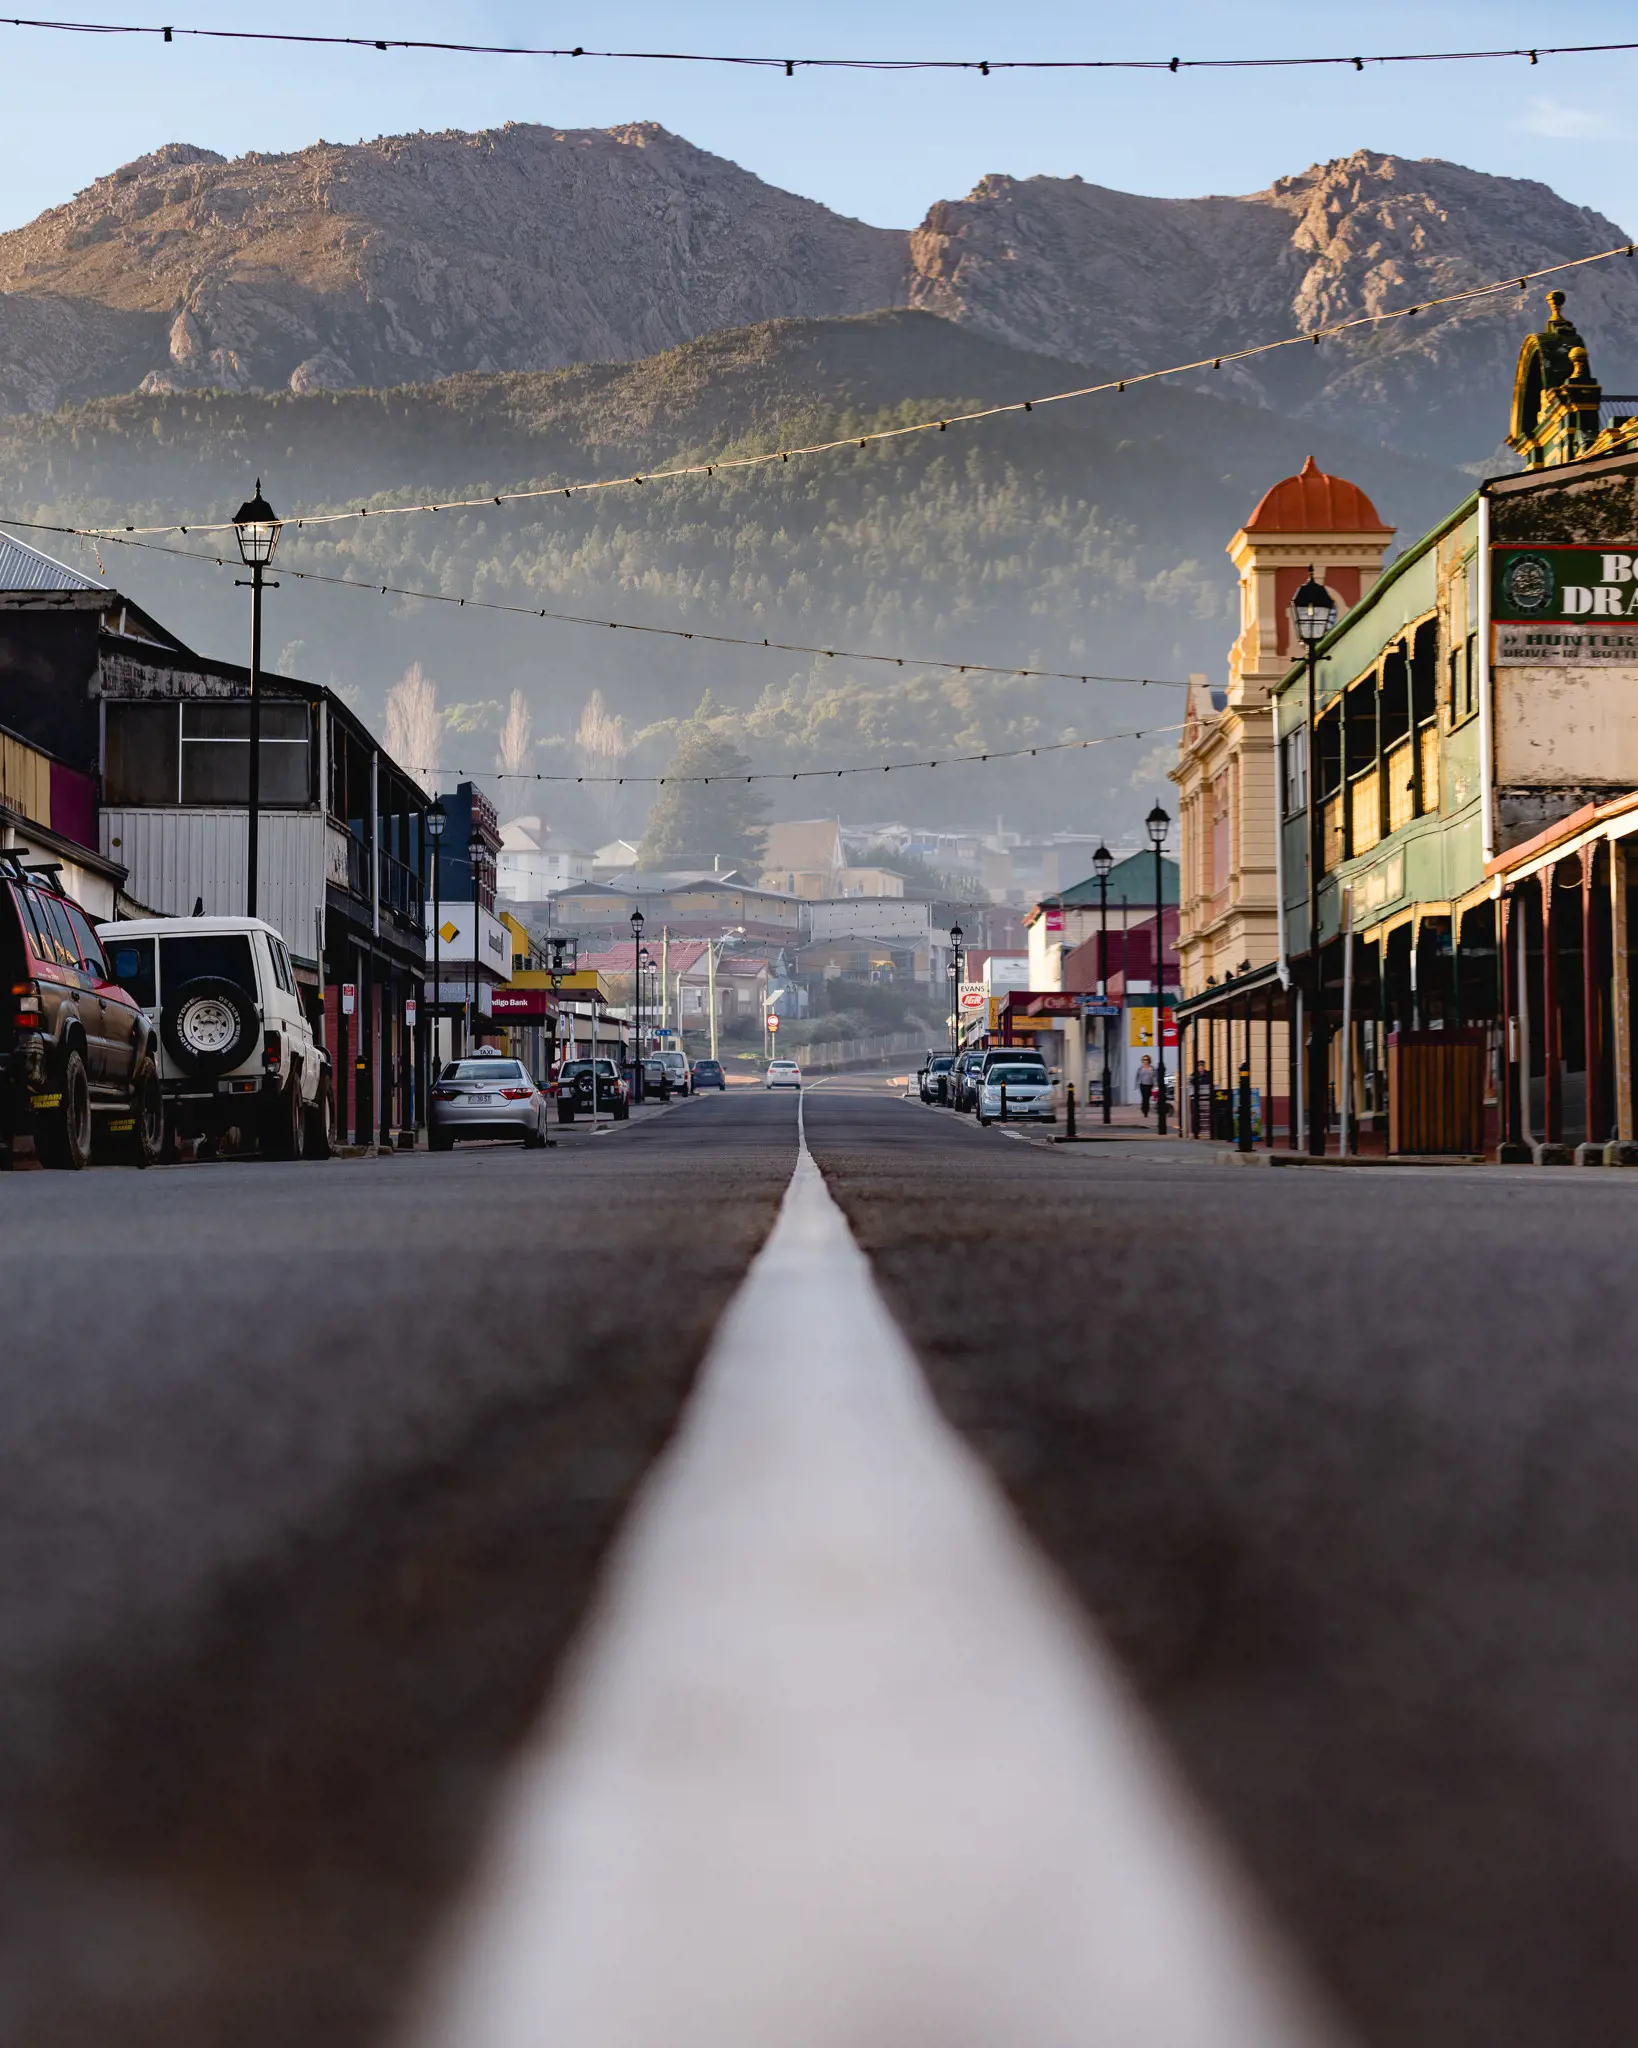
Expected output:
{"points": [[76, 1052]]}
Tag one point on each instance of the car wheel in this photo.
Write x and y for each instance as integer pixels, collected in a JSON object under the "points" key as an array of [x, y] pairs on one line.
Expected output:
{"points": [[209, 1026], [535, 1140], [284, 1122], [321, 1122], [984, 1120], [140, 1135], [440, 1141], [565, 1115], [62, 1136]]}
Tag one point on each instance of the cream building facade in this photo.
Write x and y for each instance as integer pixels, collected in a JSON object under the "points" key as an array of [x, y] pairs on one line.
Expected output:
{"points": [[1227, 763]]}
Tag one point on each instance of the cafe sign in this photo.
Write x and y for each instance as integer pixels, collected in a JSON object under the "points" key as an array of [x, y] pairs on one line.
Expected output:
{"points": [[1562, 607]]}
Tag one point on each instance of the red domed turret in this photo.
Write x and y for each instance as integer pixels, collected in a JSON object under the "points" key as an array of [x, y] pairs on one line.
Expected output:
{"points": [[1312, 502]]}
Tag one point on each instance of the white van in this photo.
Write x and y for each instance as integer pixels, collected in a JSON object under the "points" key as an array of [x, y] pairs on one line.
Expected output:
{"points": [[236, 1047]]}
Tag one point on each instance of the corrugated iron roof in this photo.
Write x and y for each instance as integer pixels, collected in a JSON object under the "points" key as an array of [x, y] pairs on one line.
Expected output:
{"points": [[25, 568]]}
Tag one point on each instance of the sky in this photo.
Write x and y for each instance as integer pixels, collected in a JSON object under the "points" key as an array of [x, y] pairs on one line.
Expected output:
{"points": [[880, 147]]}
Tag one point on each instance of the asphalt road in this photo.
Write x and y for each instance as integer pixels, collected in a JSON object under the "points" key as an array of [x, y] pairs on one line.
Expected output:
{"points": [[305, 1472], [1346, 1465]]}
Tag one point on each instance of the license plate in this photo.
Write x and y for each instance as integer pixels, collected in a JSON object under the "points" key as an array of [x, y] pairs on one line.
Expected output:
{"points": [[486, 1100]]}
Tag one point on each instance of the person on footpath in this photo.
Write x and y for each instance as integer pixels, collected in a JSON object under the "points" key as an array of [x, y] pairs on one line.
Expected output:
{"points": [[1145, 1081]]}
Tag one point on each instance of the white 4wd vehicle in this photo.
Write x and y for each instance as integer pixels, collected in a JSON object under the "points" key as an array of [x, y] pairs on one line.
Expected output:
{"points": [[236, 1047]]}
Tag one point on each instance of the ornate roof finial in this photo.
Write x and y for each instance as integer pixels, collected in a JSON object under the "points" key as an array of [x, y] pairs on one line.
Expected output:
{"points": [[1555, 307]]}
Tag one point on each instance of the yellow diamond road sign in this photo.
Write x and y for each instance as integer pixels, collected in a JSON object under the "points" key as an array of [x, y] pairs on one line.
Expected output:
{"points": [[449, 931]]}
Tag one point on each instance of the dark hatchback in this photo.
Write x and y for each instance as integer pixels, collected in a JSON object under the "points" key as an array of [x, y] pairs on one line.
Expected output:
{"points": [[709, 1074]]}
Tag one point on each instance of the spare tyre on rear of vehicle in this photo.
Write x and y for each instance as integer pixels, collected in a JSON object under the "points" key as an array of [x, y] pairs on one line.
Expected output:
{"points": [[209, 1026]]}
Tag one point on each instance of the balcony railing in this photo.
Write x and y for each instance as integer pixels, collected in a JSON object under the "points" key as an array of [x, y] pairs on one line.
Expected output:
{"points": [[400, 890], [1365, 803], [1333, 845], [1401, 766], [1429, 793]]}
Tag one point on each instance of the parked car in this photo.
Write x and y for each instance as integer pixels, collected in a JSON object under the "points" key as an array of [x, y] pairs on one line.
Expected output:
{"points": [[237, 1049], [961, 1080], [78, 1061], [574, 1090], [485, 1096], [782, 1074], [669, 1064], [707, 1074], [934, 1078], [1003, 1055], [1019, 1091]]}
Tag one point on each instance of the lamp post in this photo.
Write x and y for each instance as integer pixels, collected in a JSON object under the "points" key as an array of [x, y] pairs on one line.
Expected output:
{"points": [[474, 853], [1159, 824], [1102, 861], [1315, 614], [436, 821], [956, 936], [636, 1004], [256, 527]]}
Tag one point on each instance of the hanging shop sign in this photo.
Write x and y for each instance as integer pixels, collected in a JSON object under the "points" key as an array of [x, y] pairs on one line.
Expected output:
{"points": [[1565, 607]]}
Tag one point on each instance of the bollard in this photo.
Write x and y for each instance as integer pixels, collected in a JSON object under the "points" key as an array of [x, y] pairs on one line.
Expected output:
{"points": [[1003, 1101], [1069, 1113], [1243, 1135]]}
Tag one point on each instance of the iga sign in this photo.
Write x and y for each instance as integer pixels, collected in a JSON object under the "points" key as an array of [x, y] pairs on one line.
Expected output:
{"points": [[1558, 607]]}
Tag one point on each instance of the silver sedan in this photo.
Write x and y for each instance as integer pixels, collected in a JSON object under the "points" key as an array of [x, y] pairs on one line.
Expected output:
{"points": [[487, 1096]]}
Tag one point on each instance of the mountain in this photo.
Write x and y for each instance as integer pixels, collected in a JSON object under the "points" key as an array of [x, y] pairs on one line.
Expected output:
{"points": [[1088, 537], [410, 258], [1080, 271], [421, 256]]}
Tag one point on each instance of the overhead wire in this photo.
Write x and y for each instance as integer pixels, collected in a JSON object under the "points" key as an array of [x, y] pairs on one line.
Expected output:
{"points": [[984, 67], [937, 423], [810, 774], [529, 611]]}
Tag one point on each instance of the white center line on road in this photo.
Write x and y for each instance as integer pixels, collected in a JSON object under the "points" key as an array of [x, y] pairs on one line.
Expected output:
{"points": [[838, 1766]]}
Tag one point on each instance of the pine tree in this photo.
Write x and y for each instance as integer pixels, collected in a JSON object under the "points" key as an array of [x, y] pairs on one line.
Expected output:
{"points": [[718, 818]]}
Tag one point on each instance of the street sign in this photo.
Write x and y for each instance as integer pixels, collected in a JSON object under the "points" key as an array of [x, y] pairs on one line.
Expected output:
{"points": [[1099, 1006], [349, 998], [773, 1020], [410, 1013]]}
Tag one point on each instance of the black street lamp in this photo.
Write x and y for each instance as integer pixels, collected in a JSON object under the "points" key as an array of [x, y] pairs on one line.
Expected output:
{"points": [[256, 527], [1102, 861], [1315, 614], [474, 853], [956, 936], [1159, 824], [436, 821], [636, 1004]]}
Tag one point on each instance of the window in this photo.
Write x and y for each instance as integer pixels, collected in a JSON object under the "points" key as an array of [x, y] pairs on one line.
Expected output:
{"points": [[40, 942], [216, 753], [89, 944], [132, 961], [1470, 676], [484, 1070], [1295, 777], [140, 764], [54, 916], [225, 955], [1221, 848]]}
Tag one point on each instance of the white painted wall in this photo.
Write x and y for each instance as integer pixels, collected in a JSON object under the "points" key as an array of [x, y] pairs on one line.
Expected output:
{"points": [[1566, 725]]}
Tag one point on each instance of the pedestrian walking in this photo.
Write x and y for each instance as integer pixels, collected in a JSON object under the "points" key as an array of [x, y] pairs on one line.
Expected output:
{"points": [[1145, 1081]]}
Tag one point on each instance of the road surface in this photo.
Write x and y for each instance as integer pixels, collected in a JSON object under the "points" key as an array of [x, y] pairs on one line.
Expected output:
{"points": [[305, 1474]]}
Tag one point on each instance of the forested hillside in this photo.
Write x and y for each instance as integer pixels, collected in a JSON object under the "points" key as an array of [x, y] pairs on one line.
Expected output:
{"points": [[1084, 536]]}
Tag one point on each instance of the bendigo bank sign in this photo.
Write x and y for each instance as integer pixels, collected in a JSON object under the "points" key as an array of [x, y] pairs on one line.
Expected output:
{"points": [[1560, 605]]}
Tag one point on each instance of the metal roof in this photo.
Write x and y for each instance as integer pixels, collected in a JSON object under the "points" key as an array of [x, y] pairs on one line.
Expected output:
{"points": [[25, 568]]}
